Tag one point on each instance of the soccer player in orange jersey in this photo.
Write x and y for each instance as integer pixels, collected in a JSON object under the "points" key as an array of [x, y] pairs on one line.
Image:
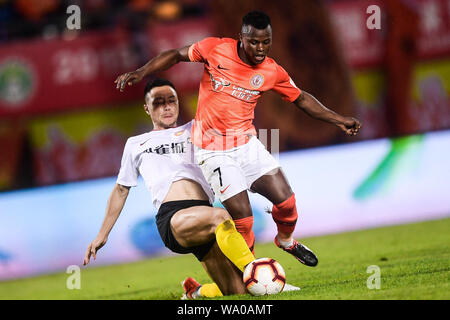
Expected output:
{"points": [[232, 159]]}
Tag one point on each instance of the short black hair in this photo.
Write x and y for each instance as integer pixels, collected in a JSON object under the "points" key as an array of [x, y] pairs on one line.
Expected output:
{"points": [[158, 82], [256, 19]]}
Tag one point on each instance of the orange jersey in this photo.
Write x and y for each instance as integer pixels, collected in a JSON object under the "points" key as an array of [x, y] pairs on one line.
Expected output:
{"points": [[228, 93]]}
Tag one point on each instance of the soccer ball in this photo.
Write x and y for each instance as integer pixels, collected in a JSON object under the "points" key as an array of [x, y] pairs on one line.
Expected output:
{"points": [[264, 276]]}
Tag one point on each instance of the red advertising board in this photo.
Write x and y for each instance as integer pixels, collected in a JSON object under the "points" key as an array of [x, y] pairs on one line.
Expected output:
{"points": [[54, 75], [434, 28], [40, 76], [364, 47]]}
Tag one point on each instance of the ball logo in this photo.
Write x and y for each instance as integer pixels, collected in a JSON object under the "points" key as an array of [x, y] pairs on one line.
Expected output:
{"points": [[16, 82], [257, 81]]}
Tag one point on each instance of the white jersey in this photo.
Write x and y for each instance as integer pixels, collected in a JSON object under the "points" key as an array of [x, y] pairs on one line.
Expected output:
{"points": [[161, 158]]}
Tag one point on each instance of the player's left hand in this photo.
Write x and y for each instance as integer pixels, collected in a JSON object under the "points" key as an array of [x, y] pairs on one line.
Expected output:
{"points": [[350, 126]]}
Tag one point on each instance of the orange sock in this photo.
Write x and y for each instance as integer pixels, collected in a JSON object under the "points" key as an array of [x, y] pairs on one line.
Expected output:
{"points": [[285, 215], [245, 228]]}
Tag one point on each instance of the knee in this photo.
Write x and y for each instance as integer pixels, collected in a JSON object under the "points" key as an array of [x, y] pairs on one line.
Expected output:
{"points": [[241, 211], [176, 221], [219, 215]]}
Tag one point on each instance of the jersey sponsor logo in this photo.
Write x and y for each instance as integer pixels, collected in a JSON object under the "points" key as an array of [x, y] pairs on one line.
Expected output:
{"points": [[219, 83], [166, 148], [257, 81], [244, 94]]}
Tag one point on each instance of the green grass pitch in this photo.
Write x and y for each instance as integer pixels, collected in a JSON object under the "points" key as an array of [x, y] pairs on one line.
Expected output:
{"points": [[414, 260]]}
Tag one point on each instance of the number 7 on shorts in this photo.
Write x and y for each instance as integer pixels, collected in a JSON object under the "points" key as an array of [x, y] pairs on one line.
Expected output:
{"points": [[220, 175]]}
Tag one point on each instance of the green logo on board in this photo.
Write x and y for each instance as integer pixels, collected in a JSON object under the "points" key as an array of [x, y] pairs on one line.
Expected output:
{"points": [[16, 82]]}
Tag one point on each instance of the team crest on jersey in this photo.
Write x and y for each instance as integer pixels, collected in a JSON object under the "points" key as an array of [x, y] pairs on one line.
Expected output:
{"points": [[218, 84], [257, 81]]}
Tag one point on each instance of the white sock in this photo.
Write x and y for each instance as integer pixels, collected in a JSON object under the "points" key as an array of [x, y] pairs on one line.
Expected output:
{"points": [[196, 294], [286, 244]]}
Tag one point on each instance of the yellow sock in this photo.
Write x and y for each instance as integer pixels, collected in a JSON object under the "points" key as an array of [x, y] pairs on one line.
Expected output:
{"points": [[210, 290], [233, 245]]}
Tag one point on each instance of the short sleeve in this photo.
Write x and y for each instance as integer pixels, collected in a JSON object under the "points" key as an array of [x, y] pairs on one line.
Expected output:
{"points": [[285, 86], [198, 52], [128, 173]]}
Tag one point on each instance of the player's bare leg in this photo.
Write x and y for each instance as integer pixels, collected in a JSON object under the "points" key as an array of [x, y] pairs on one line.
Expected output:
{"points": [[238, 206], [275, 187], [195, 225], [223, 272], [227, 278]]}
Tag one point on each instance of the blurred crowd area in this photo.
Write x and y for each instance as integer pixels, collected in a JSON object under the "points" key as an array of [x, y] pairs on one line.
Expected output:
{"points": [[27, 19], [62, 120]]}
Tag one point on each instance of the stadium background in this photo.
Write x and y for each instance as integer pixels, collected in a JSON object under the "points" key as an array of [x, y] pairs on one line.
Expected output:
{"points": [[63, 125]]}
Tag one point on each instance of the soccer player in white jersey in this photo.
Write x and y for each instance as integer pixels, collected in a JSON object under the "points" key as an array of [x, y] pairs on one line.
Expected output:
{"points": [[186, 220]]}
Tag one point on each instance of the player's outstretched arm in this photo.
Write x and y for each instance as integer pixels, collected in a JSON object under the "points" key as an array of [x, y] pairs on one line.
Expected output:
{"points": [[315, 109], [162, 62], [114, 207]]}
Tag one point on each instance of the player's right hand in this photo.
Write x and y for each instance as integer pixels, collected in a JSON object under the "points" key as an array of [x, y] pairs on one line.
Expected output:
{"points": [[93, 248], [129, 78]]}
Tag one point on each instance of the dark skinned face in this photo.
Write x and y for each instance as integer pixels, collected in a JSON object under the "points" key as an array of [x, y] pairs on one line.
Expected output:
{"points": [[255, 44]]}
